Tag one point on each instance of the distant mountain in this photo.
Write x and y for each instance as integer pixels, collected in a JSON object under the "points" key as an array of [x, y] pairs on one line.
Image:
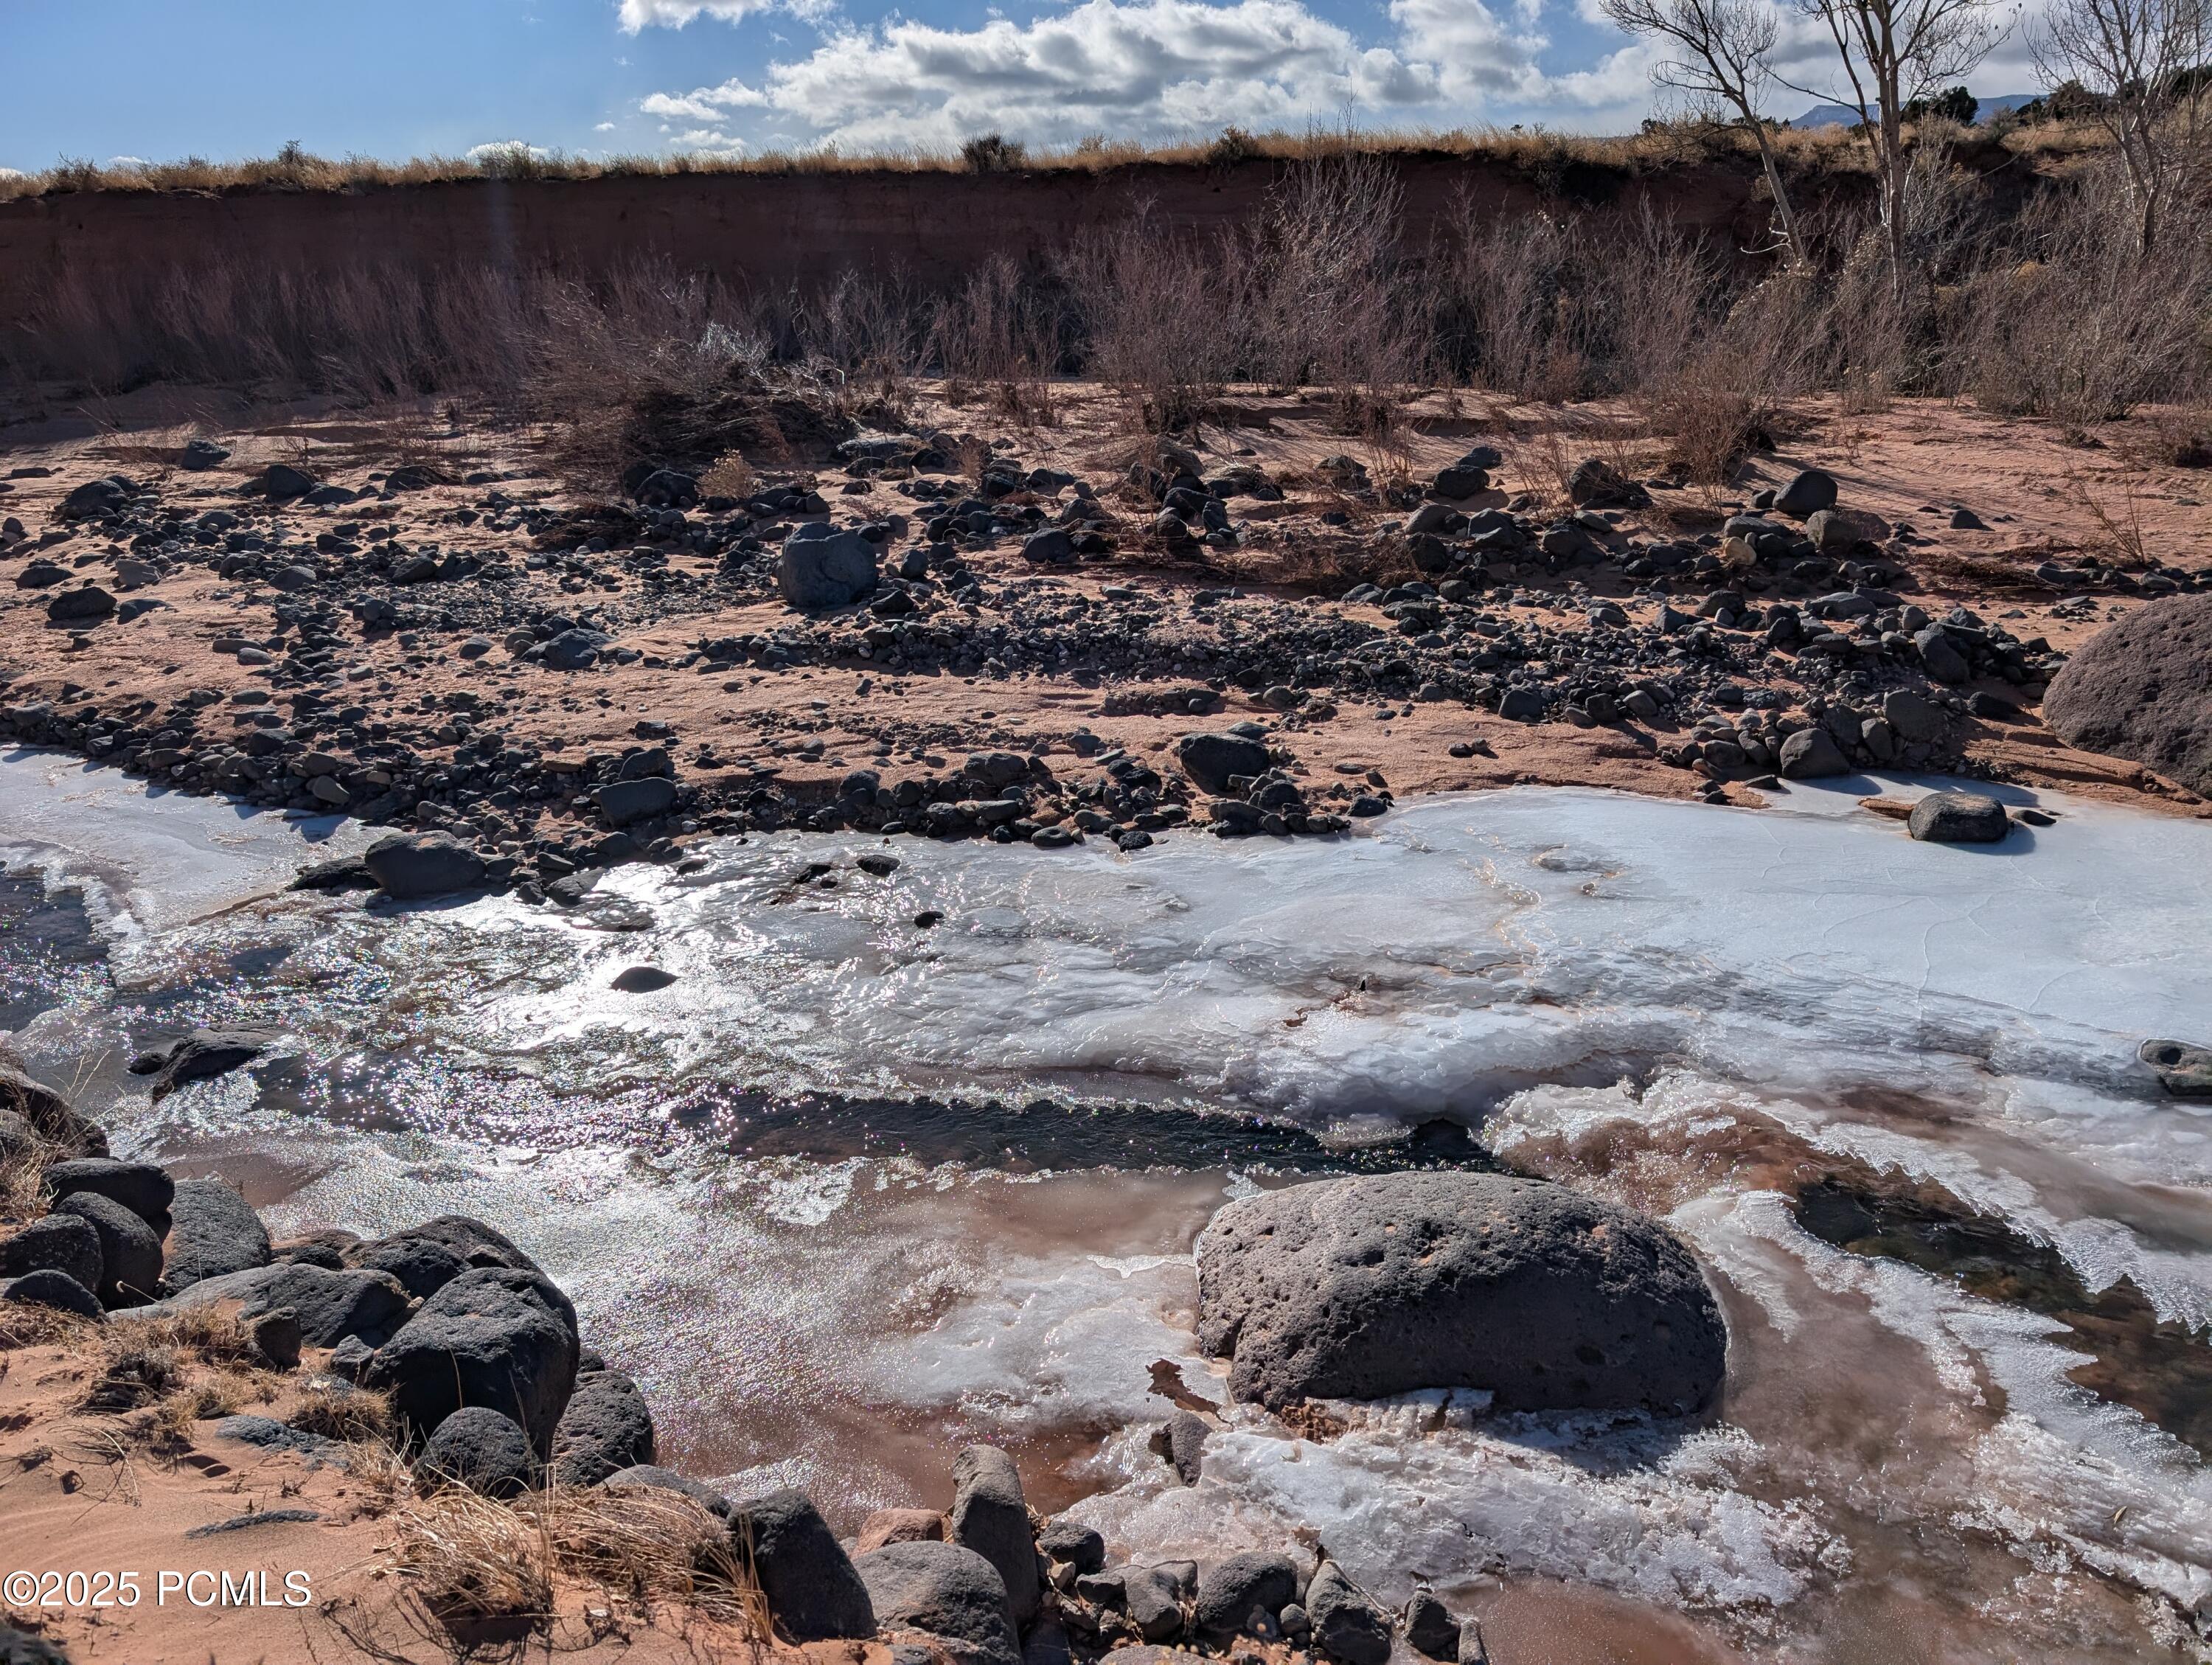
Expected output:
{"points": [[1842, 115]]}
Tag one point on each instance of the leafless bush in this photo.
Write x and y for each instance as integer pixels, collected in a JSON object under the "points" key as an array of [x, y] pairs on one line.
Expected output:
{"points": [[1001, 331], [1510, 311], [1155, 324], [2082, 326]]}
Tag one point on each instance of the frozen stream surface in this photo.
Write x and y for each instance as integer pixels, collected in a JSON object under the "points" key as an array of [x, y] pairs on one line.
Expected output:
{"points": [[852, 1188]]}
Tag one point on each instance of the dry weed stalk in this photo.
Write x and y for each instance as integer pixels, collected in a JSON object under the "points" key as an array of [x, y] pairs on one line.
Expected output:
{"points": [[474, 1561]]}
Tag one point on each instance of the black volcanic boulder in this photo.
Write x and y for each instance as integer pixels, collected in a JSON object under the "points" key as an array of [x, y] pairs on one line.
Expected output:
{"points": [[200, 1056], [1242, 1593], [823, 566], [213, 1231], [48, 1111], [1346, 1625], [605, 1430], [478, 1448], [130, 1253], [330, 1305], [1959, 817], [422, 1266], [140, 1186], [410, 866], [59, 1242], [990, 1516], [812, 1591], [494, 1336], [473, 1242], [1211, 760], [48, 1288], [950, 1593], [1363, 1287], [2141, 689]]}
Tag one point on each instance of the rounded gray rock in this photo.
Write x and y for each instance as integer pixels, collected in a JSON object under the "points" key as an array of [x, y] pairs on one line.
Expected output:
{"points": [[140, 1186], [812, 1591], [950, 1592], [49, 1288], [990, 1516], [1812, 753], [409, 866], [130, 1253], [1347, 1625], [494, 1336], [1231, 1591], [1211, 760], [821, 567], [480, 1449], [1363, 1287], [605, 1430], [2141, 689], [1959, 817], [58, 1242]]}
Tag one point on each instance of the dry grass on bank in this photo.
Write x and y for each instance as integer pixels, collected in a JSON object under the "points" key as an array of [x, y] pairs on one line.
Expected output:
{"points": [[1660, 145]]}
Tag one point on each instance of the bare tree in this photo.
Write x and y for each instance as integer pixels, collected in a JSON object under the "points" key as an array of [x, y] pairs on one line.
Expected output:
{"points": [[1893, 52], [2148, 62], [1724, 54]]}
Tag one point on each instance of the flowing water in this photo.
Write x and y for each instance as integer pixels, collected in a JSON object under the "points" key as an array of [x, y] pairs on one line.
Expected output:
{"points": [[853, 1188]]}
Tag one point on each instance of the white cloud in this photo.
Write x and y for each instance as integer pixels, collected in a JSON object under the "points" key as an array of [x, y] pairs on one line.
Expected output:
{"points": [[128, 162], [637, 14], [1155, 69], [603, 127], [477, 153], [1136, 67], [702, 103]]}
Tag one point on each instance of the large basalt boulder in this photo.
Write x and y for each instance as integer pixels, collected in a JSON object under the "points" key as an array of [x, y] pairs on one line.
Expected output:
{"points": [[1812, 753], [606, 1429], [991, 1516], [821, 567], [949, 1592], [140, 1186], [422, 1265], [58, 1242], [213, 1231], [330, 1305], [494, 1336], [1212, 760], [813, 1592], [475, 1243], [1363, 1287], [1347, 1625], [130, 1253], [410, 867], [2141, 689]]}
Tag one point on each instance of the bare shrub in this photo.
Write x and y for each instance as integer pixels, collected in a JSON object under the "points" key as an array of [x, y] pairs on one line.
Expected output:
{"points": [[992, 153], [1154, 324], [2083, 326], [1511, 314], [1001, 331], [473, 1561]]}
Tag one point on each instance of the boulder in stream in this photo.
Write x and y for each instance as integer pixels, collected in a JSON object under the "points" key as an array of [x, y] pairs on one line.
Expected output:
{"points": [[1548, 1299]]}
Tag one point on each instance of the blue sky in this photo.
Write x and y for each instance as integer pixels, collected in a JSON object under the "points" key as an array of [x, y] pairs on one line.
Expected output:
{"points": [[162, 79]]}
